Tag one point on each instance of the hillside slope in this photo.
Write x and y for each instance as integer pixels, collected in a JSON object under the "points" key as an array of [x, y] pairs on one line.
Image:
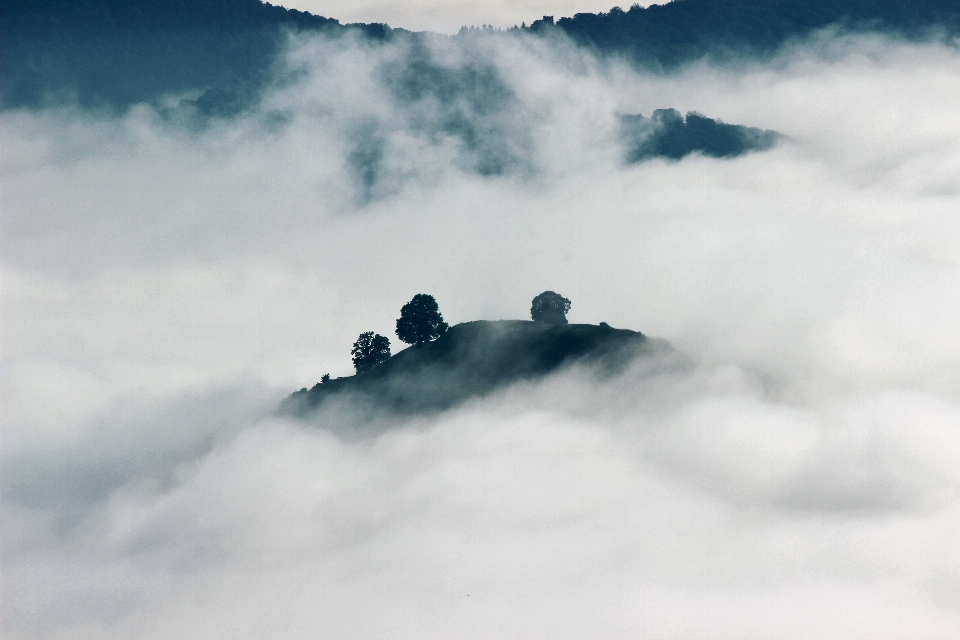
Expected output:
{"points": [[474, 359], [669, 34], [111, 54]]}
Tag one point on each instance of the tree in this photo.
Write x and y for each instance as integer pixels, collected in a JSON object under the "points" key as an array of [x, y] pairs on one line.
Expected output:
{"points": [[550, 307], [369, 350], [420, 320]]}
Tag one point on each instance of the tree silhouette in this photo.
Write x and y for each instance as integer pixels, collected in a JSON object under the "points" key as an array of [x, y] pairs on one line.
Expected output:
{"points": [[420, 320], [550, 307], [369, 350]]}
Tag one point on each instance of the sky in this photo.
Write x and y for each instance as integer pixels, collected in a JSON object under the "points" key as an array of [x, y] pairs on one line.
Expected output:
{"points": [[790, 471], [447, 16]]}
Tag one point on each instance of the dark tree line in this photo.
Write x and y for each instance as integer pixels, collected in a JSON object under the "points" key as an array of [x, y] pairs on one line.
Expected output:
{"points": [[115, 53], [672, 33]]}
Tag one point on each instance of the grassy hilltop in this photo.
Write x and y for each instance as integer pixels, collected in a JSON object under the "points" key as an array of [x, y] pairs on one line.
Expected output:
{"points": [[473, 359]]}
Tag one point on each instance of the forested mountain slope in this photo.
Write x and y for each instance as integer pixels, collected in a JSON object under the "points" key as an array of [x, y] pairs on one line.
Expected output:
{"points": [[116, 53], [669, 34]]}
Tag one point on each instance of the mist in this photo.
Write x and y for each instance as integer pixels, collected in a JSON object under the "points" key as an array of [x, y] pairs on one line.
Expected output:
{"points": [[169, 278]]}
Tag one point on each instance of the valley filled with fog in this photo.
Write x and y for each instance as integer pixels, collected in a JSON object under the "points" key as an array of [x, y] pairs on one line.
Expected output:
{"points": [[169, 277]]}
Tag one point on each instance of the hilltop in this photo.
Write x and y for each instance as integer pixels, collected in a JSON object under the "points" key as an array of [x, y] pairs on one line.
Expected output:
{"points": [[474, 359]]}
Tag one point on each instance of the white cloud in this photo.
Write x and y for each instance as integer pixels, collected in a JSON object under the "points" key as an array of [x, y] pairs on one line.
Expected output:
{"points": [[163, 288]]}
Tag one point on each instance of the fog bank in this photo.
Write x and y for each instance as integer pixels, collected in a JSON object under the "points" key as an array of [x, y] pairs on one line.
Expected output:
{"points": [[166, 283]]}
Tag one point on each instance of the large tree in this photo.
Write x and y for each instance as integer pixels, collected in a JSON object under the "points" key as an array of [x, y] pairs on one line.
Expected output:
{"points": [[369, 350], [550, 307], [420, 320]]}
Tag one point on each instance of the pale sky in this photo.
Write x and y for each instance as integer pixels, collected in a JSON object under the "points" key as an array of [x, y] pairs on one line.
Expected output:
{"points": [[447, 16]]}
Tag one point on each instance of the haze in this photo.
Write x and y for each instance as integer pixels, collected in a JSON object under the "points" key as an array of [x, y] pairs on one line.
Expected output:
{"points": [[167, 283]]}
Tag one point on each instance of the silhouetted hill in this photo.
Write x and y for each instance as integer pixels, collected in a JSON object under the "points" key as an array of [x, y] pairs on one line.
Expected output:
{"points": [[667, 134], [474, 359], [670, 34], [116, 53]]}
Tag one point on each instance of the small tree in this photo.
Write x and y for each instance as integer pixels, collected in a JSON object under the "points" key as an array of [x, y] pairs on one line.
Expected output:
{"points": [[420, 320], [369, 350], [550, 307]]}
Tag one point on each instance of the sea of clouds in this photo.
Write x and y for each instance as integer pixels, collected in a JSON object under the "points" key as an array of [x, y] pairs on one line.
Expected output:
{"points": [[168, 279]]}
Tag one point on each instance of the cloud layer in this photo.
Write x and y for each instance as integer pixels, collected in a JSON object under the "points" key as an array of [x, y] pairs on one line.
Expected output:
{"points": [[796, 477]]}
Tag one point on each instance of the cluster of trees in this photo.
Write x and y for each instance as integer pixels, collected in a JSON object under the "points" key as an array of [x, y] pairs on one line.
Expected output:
{"points": [[420, 322]]}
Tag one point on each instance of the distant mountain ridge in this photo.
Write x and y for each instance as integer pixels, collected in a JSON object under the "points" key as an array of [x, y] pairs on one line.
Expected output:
{"points": [[115, 53], [474, 359], [670, 34]]}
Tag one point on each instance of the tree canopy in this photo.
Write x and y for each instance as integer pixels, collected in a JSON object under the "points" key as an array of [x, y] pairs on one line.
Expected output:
{"points": [[369, 350], [550, 307], [420, 320], [670, 34]]}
